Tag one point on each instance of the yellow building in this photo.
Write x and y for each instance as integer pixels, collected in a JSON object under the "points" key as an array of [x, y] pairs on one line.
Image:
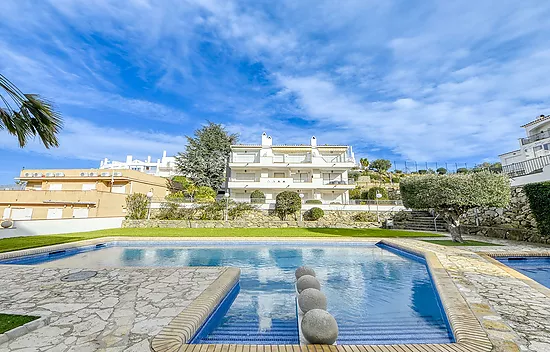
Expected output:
{"points": [[76, 193]]}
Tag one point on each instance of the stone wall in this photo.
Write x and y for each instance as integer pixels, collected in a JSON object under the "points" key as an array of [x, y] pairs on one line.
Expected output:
{"points": [[515, 222], [264, 219]]}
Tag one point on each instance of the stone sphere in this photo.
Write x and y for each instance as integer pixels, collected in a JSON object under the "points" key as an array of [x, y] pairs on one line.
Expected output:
{"points": [[304, 270], [307, 281], [6, 224], [319, 327], [311, 298]]}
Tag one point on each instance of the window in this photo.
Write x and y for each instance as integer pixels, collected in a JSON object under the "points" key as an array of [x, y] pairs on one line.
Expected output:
{"points": [[279, 175], [80, 213], [547, 146], [88, 186], [55, 213], [537, 148], [56, 187], [119, 189], [21, 213]]}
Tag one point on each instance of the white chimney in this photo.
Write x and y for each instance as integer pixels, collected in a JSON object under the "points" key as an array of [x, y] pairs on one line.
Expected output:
{"points": [[164, 154], [266, 140], [313, 141], [128, 159], [149, 159]]}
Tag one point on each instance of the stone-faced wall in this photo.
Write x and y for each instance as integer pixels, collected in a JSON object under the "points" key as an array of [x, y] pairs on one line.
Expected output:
{"points": [[263, 219], [515, 222]]}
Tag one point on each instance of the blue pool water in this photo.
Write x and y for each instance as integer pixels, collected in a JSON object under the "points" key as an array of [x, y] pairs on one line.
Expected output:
{"points": [[377, 294], [537, 268]]}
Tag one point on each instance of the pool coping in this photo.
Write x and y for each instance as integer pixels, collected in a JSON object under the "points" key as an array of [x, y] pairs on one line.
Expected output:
{"points": [[467, 330]]}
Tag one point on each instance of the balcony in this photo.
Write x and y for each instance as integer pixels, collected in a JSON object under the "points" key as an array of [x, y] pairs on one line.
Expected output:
{"points": [[287, 182], [526, 167], [535, 137]]}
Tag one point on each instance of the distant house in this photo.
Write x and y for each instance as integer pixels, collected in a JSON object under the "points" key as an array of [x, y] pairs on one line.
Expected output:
{"points": [[165, 167], [316, 171], [76, 193], [531, 162]]}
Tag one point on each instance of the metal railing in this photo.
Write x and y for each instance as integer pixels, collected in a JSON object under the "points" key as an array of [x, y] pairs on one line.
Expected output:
{"points": [[535, 137], [526, 167], [373, 202]]}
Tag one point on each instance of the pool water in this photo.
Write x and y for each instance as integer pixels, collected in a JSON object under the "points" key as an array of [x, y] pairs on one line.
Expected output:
{"points": [[537, 268], [378, 295]]}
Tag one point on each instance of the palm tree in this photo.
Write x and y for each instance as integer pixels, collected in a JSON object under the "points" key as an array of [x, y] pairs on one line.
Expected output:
{"points": [[27, 115]]}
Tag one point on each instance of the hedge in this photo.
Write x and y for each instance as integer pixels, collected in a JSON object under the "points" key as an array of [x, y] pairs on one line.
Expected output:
{"points": [[538, 195], [313, 201]]}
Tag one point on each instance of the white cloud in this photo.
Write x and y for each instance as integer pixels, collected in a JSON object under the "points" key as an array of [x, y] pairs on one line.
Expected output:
{"points": [[82, 139]]}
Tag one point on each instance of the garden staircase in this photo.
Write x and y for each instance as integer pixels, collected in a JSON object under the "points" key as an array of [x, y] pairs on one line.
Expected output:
{"points": [[421, 220]]}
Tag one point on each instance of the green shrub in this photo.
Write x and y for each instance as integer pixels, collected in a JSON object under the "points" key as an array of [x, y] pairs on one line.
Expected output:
{"points": [[364, 216], [371, 194], [237, 209], [168, 211], [205, 194], [212, 211], [355, 193], [441, 171], [257, 197], [136, 206], [178, 196], [453, 195], [538, 195], [286, 203], [314, 214], [313, 201], [462, 170]]}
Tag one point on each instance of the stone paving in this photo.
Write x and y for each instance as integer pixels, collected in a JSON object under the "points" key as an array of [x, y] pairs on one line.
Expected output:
{"points": [[120, 309], [515, 315]]}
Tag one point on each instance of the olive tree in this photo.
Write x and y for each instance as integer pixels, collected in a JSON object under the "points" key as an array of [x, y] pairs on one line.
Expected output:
{"points": [[287, 203], [453, 195]]}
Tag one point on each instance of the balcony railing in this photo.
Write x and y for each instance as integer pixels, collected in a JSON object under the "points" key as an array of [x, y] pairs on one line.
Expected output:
{"points": [[526, 167], [535, 137], [288, 180]]}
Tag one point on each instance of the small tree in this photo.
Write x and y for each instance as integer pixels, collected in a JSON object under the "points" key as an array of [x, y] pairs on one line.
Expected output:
{"points": [[382, 165], [314, 214], [355, 193], [205, 194], [136, 206], [257, 197], [453, 195], [441, 171], [286, 203], [364, 163]]}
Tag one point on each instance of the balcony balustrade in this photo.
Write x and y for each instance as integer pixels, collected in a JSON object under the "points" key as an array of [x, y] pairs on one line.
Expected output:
{"points": [[535, 137]]}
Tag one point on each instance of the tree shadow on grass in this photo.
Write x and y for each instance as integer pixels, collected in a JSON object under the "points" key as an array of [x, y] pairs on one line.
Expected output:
{"points": [[341, 232]]}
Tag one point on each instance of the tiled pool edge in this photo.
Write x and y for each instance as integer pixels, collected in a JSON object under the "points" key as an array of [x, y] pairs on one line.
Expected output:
{"points": [[183, 327], [469, 335]]}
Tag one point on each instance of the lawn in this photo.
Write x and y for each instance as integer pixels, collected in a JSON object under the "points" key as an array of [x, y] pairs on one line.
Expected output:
{"points": [[9, 321], [458, 244], [12, 244]]}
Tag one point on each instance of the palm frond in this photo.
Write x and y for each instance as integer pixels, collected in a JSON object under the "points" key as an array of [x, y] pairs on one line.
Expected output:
{"points": [[32, 116]]}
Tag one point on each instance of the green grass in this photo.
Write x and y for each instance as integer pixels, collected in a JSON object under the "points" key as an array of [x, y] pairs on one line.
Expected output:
{"points": [[458, 244], [9, 321], [12, 244]]}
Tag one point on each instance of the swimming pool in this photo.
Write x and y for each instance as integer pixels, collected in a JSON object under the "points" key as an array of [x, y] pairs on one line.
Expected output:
{"points": [[537, 268], [378, 295]]}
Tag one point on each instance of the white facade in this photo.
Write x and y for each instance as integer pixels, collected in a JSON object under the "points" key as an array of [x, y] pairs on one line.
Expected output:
{"points": [[534, 153], [165, 167], [317, 172]]}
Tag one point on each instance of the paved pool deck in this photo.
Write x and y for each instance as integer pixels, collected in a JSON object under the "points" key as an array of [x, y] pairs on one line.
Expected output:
{"points": [[490, 307]]}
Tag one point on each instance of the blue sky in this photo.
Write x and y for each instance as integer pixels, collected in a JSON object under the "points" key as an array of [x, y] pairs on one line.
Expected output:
{"points": [[409, 80]]}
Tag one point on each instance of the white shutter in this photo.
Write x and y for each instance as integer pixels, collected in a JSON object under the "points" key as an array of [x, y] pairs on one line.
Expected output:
{"points": [[119, 189], [55, 213], [56, 187], [80, 213], [21, 213], [88, 186]]}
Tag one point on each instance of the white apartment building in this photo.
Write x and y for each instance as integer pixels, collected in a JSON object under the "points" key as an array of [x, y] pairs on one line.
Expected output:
{"points": [[165, 167], [533, 155], [316, 171]]}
